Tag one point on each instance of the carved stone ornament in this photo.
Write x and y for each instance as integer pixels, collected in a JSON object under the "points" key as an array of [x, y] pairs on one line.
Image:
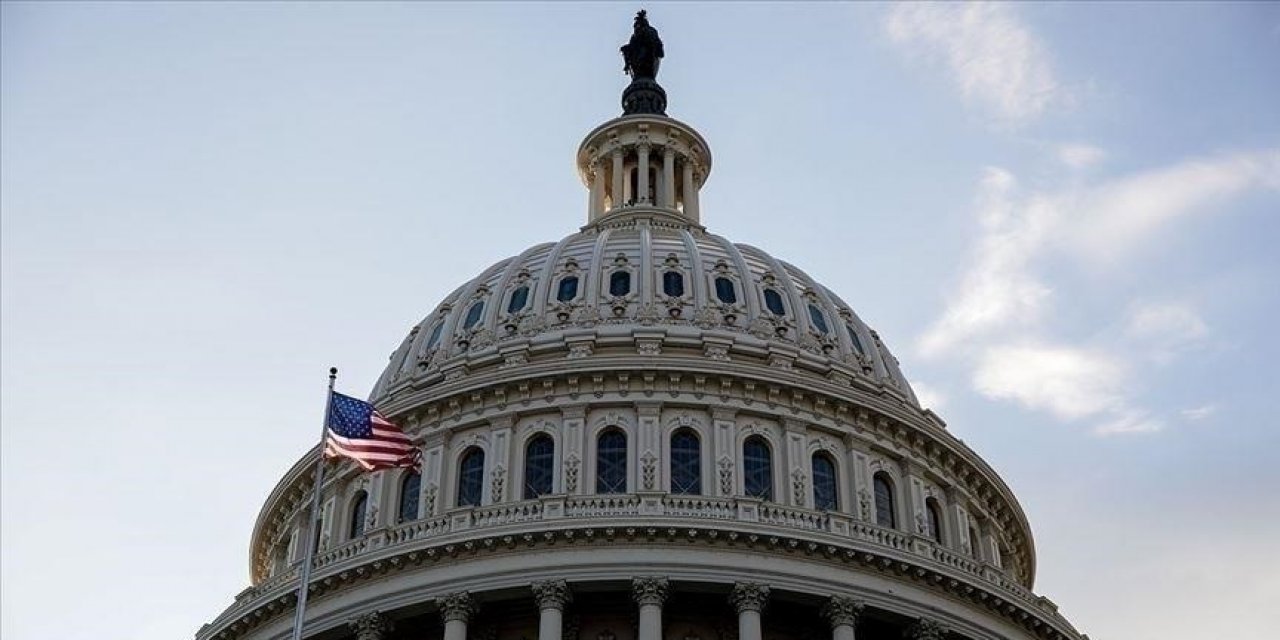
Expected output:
{"points": [[429, 499], [842, 611], [552, 594], [798, 485], [650, 590], [571, 473], [749, 596], [649, 470], [864, 504], [498, 483], [370, 626], [457, 606], [925, 629], [726, 475]]}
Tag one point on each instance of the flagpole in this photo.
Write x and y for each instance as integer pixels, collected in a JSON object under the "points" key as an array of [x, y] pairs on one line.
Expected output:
{"points": [[305, 579]]}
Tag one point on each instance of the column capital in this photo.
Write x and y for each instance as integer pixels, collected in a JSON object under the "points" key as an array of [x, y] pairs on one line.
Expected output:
{"points": [[749, 596], [650, 590], [457, 606], [926, 629], [842, 611], [370, 626], [552, 594]]}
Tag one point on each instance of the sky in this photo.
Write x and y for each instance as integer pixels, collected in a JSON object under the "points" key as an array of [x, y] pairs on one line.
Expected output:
{"points": [[1060, 216]]}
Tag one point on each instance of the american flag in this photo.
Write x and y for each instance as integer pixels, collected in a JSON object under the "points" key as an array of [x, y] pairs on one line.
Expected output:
{"points": [[359, 432]]}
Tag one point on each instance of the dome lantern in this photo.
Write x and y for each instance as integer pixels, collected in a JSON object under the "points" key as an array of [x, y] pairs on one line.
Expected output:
{"points": [[644, 163]]}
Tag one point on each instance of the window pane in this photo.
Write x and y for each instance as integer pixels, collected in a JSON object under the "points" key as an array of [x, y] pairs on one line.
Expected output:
{"points": [[519, 298], [620, 283], [725, 291], [853, 337], [471, 478], [568, 289], [686, 463], [410, 487], [357, 516], [611, 462], [819, 320], [473, 315], [435, 335], [773, 300], [884, 502], [933, 519], [824, 483], [539, 462], [757, 468], [673, 284]]}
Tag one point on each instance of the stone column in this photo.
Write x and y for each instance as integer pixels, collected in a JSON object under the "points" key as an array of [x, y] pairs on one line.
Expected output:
{"points": [[687, 188], [595, 201], [370, 626], [456, 609], [552, 596], [642, 173], [749, 599], [650, 593], [842, 612], [926, 629], [668, 177], [617, 178]]}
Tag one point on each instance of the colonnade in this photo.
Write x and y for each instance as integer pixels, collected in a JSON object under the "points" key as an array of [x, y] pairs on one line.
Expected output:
{"points": [[650, 593]]}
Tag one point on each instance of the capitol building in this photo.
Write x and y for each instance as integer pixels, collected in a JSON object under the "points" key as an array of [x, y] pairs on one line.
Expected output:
{"points": [[646, 431]]}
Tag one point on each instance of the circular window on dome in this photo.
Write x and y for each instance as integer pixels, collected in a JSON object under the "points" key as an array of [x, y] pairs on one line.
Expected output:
{"points": [[673, 284], [568, 289], [519, 298], [818, 319], [725, 291], [620, 283], [773, 302], [473, 315]]}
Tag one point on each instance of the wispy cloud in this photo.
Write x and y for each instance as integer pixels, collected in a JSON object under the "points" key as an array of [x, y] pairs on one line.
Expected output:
{"points": [[929, 396], [999, 319], [1196, 414], [995, 60], [1080, 156]]}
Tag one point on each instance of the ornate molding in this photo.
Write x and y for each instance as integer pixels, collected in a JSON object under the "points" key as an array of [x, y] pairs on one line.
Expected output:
{"points": [[749, 596], [926, 629], [842, 611], [370, 626], [650, 590], [457, 606], [552, 594]]}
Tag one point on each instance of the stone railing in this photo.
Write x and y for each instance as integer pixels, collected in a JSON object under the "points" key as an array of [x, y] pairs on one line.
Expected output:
{"points": [[630, 510]]}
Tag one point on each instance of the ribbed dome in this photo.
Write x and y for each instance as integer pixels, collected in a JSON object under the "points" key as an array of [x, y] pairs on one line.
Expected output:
{"points": [[649, 282]]}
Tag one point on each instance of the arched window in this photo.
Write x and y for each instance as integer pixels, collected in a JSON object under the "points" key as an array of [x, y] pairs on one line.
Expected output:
{"points": [[975, 544], [473, 314], [824, 482], [358, 507], [611, 462], [725, 291], [886, 513], [853, 337], [435, 335], [686, 462], [471, 478], [757, 468], [673, 283], [773, 302], [619, 283], [410, 489], [818, 319], [539, 466], [933, 518], [568, 289], [519, 298]]}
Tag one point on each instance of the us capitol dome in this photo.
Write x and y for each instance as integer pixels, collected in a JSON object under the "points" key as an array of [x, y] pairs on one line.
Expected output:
{"points": [[645, 431]]}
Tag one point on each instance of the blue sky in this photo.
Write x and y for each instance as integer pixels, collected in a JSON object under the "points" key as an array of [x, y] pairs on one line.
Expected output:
{"points": [[1061, 217]]}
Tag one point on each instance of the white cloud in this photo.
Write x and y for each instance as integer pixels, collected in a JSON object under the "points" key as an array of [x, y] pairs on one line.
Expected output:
{"points": [[999, 316], [1068, 382], [1196, 414], [996, 61], [1080, 156], [929, 396]]}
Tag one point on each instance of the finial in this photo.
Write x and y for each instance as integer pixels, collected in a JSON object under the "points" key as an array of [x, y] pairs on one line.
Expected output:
{"points": [[642, 56], [333, 372]]}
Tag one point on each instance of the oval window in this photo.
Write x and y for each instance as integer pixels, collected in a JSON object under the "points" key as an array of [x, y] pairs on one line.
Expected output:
{"points": [[620, 283], [725, 291], [473, 315], [568, 289], [773, 301], [673, 284], [519, 298], [819, 320]]}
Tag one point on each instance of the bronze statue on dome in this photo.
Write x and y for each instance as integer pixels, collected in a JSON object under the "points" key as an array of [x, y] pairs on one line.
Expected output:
{"points": [[643, 53]]}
